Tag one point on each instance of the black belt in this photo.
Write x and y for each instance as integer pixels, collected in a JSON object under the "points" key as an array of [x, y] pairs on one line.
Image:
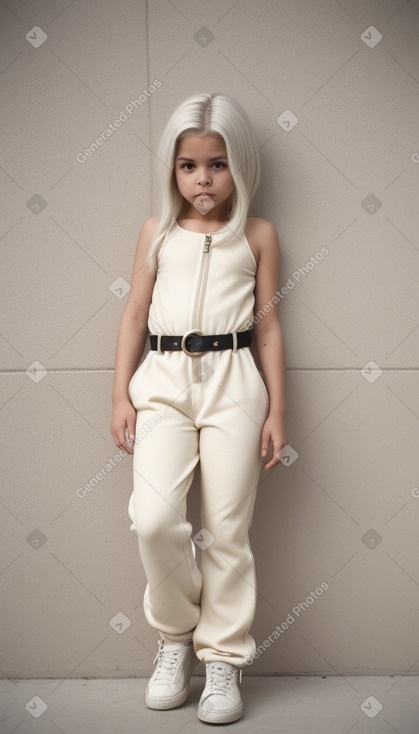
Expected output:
{"points": [[193, 343]]}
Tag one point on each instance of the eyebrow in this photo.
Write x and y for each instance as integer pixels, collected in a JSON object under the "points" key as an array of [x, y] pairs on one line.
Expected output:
{"points": [[191, 160]]}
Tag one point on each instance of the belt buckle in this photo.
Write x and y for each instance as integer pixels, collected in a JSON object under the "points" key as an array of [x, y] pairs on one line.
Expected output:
{"points": [[183, 344]]}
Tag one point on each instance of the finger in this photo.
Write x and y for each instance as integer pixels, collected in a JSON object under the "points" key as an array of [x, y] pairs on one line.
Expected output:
{"points": [[273, 462], [128, 441], [131, 423], [278, 446], [276, 456], [264, 445], [122, 438]]}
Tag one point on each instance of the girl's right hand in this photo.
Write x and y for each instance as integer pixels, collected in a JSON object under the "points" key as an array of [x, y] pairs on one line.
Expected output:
{"points": [[124, 418]]}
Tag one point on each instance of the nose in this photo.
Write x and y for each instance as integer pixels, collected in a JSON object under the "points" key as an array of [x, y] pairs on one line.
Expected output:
{"points": [[203, 177]]}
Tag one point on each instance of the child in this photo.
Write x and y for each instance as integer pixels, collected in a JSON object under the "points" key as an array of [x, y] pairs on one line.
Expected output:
{"points": [[200, 273]]}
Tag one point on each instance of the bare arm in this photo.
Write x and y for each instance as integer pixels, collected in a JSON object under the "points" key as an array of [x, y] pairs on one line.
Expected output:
{"points": [[130, 345], [269, 340], [132, 335]]}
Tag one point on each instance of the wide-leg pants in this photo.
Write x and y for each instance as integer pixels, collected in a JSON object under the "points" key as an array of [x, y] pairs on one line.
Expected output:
{"points": [[218, 421]]}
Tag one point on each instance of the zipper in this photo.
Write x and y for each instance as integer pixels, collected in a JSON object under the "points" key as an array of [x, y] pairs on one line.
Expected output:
{"points": [[199, 301]]}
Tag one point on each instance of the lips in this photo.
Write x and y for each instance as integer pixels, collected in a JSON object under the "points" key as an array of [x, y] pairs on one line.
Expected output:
{"points": [[203, 193], [203, 203]]}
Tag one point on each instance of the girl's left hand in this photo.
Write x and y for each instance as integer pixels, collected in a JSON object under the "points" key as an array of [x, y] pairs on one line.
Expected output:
{"points": [[273, 431]]}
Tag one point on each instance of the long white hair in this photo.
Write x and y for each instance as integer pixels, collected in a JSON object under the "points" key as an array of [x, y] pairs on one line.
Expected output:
{"points": [[205, 114]]}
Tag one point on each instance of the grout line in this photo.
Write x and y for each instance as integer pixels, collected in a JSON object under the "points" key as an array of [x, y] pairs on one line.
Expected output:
{"points": [[149, 106], [87, 370]]}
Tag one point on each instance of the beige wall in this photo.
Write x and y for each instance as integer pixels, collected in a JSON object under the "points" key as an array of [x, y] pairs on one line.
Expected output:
{"points": [[345, 512]]}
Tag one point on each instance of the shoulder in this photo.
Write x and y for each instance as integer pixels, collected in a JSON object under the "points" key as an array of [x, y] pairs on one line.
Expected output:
{"points": [[262, 236], [144, 240], [146, 234], [150, 225]]}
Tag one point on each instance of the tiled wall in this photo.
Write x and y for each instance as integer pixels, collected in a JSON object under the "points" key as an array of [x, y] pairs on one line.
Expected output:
{"points": [[332, 89]]}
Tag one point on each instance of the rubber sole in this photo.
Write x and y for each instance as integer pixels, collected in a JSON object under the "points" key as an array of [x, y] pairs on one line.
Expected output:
{"points": [[220, 717], [162, 704]]}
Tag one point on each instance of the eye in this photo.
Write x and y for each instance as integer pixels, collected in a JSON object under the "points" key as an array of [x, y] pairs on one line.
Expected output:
{"points": [[220, 163], [186, 164]]}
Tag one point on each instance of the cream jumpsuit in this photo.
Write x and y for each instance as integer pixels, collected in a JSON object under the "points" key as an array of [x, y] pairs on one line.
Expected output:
{"points": [[212, 409]]}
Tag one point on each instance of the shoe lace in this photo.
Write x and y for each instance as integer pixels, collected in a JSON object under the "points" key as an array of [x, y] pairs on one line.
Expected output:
{"points": [[167, 658], [220, 678]]}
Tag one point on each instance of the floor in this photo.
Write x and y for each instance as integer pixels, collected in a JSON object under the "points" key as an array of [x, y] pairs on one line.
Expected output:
{"points": [[284, 705]]}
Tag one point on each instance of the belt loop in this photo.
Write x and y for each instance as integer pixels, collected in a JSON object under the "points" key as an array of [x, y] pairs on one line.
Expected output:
{"points": [[159, 349], [234, 335]]}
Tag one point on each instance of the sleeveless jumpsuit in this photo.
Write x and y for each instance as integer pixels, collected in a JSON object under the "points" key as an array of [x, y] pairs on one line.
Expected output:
{"points": [[209, 408]]}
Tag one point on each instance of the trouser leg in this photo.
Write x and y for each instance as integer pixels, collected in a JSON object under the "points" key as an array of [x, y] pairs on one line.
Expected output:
{"points": [[163, 466], [230, 467]]}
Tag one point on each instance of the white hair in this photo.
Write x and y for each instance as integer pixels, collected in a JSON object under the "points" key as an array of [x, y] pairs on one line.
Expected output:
{"points": [[208, 114]]}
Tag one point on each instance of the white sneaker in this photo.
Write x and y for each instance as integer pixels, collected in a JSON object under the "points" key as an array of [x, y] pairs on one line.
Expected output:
{"points": [[168, 687], [221, 702]]}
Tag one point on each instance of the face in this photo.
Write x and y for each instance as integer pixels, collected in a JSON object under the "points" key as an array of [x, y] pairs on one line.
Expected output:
{"points": [[201, 165]]}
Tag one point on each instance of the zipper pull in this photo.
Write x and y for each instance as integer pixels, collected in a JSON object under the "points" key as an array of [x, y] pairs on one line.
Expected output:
{"points": [[208, 240]]}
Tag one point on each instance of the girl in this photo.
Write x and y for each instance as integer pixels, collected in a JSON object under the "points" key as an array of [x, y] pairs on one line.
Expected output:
{"points": [[200, 272]]}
